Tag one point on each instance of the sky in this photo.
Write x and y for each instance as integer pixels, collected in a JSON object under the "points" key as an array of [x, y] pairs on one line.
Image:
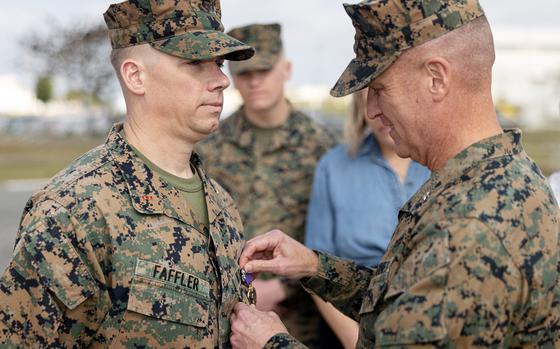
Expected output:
{"points": [[318, 35]]}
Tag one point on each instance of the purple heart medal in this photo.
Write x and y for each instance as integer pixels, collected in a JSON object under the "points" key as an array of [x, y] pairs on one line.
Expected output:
{"points": [[247, 280]]}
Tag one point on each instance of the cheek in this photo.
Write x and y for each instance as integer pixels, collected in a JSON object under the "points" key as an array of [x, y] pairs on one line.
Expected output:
{"points": [[275, 83]]}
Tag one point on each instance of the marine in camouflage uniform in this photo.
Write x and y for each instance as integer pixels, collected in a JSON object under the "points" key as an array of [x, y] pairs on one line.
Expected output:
{"points": [[271, 181], [485, 276], [474, 260], [109, 254]]}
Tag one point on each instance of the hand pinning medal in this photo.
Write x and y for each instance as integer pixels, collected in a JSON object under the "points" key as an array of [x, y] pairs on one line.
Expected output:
{"points": [[247, 280]]}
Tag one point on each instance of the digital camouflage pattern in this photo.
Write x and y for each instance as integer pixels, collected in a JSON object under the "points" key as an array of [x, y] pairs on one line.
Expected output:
{"points": [[473, 262], [190, 29], [109, 255], [271, 189], [384, 29], [267, 41]]}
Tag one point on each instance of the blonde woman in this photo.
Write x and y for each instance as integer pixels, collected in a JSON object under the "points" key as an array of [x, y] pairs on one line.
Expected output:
{"points": [[358, 189]]}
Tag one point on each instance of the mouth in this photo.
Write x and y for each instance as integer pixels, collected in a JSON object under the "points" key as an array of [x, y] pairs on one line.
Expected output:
{"points": [[383, 121], [256, 93], [214, 106]]}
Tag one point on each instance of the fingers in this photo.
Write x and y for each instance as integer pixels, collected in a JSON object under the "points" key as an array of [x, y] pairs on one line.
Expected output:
{"points": [[251, 328], [263, 266], [239, 306], [260, 246], [241, 317], [237, 338]]}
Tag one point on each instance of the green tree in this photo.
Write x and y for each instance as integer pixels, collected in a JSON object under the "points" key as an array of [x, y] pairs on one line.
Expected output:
{"points": [[44, 88], [77, 54]]}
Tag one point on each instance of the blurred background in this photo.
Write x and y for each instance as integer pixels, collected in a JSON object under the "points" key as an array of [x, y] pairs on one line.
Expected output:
{"points": [[59, 96]]}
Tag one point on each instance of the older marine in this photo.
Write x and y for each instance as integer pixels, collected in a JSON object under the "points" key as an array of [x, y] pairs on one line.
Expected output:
{"points": [[473, 262]]}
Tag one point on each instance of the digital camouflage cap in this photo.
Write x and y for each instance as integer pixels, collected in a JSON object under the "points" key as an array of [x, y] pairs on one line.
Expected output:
{"points": [[267, 41], [190, 29], [386, 28]]}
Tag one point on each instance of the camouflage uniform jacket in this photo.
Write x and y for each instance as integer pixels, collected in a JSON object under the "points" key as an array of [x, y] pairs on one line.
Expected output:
{"points": [[473, 262], [272, 188], [109, 255]]}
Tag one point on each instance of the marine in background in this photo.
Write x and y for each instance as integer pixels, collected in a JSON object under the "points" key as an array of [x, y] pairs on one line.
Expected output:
{"points": [[264, 155]]}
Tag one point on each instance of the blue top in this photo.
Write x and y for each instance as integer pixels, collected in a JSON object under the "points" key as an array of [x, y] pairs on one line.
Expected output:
{"points": [[355, 202]]}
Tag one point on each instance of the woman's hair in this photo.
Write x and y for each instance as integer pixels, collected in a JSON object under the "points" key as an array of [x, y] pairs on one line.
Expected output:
{"points": [[355, 125]]}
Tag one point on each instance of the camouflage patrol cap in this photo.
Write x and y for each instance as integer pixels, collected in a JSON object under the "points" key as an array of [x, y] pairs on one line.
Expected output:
{"points": [[386, 28], [266, 40], [190, 29]]}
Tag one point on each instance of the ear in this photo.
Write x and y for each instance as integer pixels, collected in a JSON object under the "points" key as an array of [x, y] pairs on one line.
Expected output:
{"points": [[287, 70], [133, 76], [438, 70]]}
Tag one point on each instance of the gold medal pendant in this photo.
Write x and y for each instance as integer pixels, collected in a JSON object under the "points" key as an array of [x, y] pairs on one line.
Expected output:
{"points": [[247, 280], [252, 295]]}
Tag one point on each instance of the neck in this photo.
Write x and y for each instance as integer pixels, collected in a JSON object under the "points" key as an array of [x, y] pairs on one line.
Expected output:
{"points": [[168, 152], [269, 118], [477, 122]]}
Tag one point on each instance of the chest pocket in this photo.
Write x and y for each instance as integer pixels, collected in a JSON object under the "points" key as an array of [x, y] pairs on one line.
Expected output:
{"points": [[169, 294], [405, 303], [373, 297]]}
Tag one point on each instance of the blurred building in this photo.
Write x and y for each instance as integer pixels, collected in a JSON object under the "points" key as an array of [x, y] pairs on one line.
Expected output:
{"points": [[526, 84], [22, 114]]}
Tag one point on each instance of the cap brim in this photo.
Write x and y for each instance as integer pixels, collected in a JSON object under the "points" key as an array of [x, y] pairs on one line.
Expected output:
{"points": [[204, 44], [359, 74], [257, 62]]}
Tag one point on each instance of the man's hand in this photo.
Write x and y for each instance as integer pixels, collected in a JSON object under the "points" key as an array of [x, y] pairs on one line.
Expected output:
{"points": [[277, 253], [252, 328]]}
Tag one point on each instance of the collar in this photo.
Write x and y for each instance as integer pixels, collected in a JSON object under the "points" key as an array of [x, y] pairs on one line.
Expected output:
{"points": [[507, 143], [369, 146], [290, 133], [150, 194]]}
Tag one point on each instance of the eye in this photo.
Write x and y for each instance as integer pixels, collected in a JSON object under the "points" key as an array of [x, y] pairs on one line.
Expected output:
{"points": [[220, 63], [376, 90], [194, 62]]}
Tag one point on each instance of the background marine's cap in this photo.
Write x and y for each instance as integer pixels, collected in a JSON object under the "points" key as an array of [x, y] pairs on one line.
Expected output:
{"points": [[386, 28], [190, 29], [267, 41]]}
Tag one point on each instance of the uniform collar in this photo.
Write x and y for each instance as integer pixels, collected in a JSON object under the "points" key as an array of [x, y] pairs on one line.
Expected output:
{"points": [[150, 194], [290, 133], [505, 144]]}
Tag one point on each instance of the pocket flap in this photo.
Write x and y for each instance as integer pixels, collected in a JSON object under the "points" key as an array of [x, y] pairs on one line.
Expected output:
{"points": [[413, 316], [377, 287], [60, 268], [169, 294]]}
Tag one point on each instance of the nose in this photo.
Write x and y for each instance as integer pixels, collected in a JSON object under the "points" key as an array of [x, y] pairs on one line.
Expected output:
{"points": [[372, 106], [254, 78], [219, 81]]}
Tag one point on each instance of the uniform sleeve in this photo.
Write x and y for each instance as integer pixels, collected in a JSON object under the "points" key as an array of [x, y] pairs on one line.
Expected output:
{"points": [[48, 296], [340, 282], [283, 341], [319, 228], [458, 287]]}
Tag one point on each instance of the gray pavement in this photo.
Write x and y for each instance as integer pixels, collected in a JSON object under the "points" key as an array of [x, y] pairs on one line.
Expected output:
{"points": [[13, 197]]}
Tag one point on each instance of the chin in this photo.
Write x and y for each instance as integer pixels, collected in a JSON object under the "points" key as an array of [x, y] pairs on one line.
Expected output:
{"points": [[403, 154], [206, 131], [258, 106]]}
